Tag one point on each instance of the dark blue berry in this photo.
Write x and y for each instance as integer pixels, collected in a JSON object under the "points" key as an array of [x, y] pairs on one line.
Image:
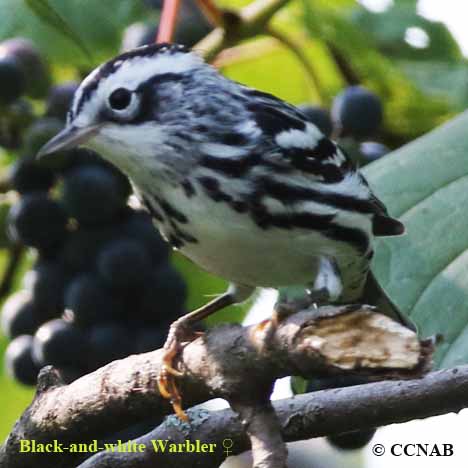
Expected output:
{"points": [[125, 264], [18, 360], [88, 301], [36, 71], [12, 80], [164, 296], [26, 175], [82, 246], [38, 221], [60, 343], [139, 226], [70, 374], [46, 282], [82, 157], [94, 195], [371, 150], [357, 112], [108, 342], [337, 381], [192, 26], [354, 440], [350, 440], [149, 339], [20, 315], [60, 99], [319, 116], [40, 133]]}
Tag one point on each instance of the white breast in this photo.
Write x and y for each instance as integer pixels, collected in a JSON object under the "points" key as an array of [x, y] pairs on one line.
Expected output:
{"points": [[232, 246]]}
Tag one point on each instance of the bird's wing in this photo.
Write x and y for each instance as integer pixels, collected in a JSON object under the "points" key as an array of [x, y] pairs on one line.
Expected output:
{"points": [[302, 146]]}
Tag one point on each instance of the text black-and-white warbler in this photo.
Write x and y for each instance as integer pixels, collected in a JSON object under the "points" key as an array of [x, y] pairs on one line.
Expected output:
{"points": [[237, 180]]}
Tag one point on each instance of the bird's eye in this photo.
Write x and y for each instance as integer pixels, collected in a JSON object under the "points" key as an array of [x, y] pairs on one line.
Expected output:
{"points": [[120, 99]]}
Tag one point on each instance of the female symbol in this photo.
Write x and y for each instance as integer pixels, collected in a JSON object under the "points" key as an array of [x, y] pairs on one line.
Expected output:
{"points": [[227, 444]]}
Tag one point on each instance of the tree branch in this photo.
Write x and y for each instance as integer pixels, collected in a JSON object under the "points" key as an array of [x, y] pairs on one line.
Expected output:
{"points": [[232, 362], [316, 414], [249, 22], [263, 429]]}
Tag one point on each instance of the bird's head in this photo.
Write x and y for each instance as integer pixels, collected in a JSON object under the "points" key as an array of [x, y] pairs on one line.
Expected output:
{"points": [[137, 104]]}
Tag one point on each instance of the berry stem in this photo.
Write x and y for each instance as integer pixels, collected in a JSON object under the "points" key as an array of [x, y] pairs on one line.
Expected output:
{"points": [[302, 57], [15, 255], [168, 21], [212, 13], [343, 65]]}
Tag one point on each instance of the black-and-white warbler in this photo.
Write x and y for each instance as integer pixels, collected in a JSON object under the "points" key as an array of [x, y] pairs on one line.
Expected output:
{"points": [[237, 180]]}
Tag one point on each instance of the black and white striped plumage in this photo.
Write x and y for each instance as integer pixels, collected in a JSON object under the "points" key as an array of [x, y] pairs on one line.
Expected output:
{"points": [[236, 179]]}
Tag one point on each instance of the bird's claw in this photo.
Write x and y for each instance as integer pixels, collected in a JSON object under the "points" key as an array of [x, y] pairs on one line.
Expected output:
{"points": [[167, 385], [168, 389]]}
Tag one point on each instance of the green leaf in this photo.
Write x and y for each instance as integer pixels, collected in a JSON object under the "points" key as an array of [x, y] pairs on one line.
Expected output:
{"points": [[425, 184], [298, 385], [439, 78], [50, 16], [99, 25], [388, 30], [273, 60], [409, 112]]}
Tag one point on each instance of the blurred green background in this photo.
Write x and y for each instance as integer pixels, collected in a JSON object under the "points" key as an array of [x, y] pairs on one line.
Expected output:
{"points": [[421, 85]]}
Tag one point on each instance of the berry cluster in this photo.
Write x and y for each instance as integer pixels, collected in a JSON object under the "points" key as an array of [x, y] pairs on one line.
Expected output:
{"points": [[101, 286], [355, 117]]}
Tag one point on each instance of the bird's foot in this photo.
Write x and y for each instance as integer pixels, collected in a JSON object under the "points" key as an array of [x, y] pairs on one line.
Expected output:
{"points": [[318, 296], [177, 338], [263, 332]]}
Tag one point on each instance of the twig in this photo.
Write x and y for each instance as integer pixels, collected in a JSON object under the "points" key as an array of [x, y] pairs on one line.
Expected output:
{"points": [[15, 253], [302, 57], [249, 22], [231, 362], [316, 414], [212, 13], [243, 52], [168, 21], [343, 65], [263, 429]]}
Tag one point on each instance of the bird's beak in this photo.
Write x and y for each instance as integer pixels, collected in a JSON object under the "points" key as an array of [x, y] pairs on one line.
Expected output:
{"points": [[68, 138]]}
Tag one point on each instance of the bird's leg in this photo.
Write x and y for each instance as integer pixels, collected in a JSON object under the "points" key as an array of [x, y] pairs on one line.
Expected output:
{"points": [[179, 331], [326, 289], [328, 286]]}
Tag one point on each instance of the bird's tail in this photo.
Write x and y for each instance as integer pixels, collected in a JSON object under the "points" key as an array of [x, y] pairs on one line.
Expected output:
{"points": [[374, 295]]}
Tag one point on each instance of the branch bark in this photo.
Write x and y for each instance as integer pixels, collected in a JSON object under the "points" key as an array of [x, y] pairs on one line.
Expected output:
{"points": [[317, 414], [232, 362]]}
